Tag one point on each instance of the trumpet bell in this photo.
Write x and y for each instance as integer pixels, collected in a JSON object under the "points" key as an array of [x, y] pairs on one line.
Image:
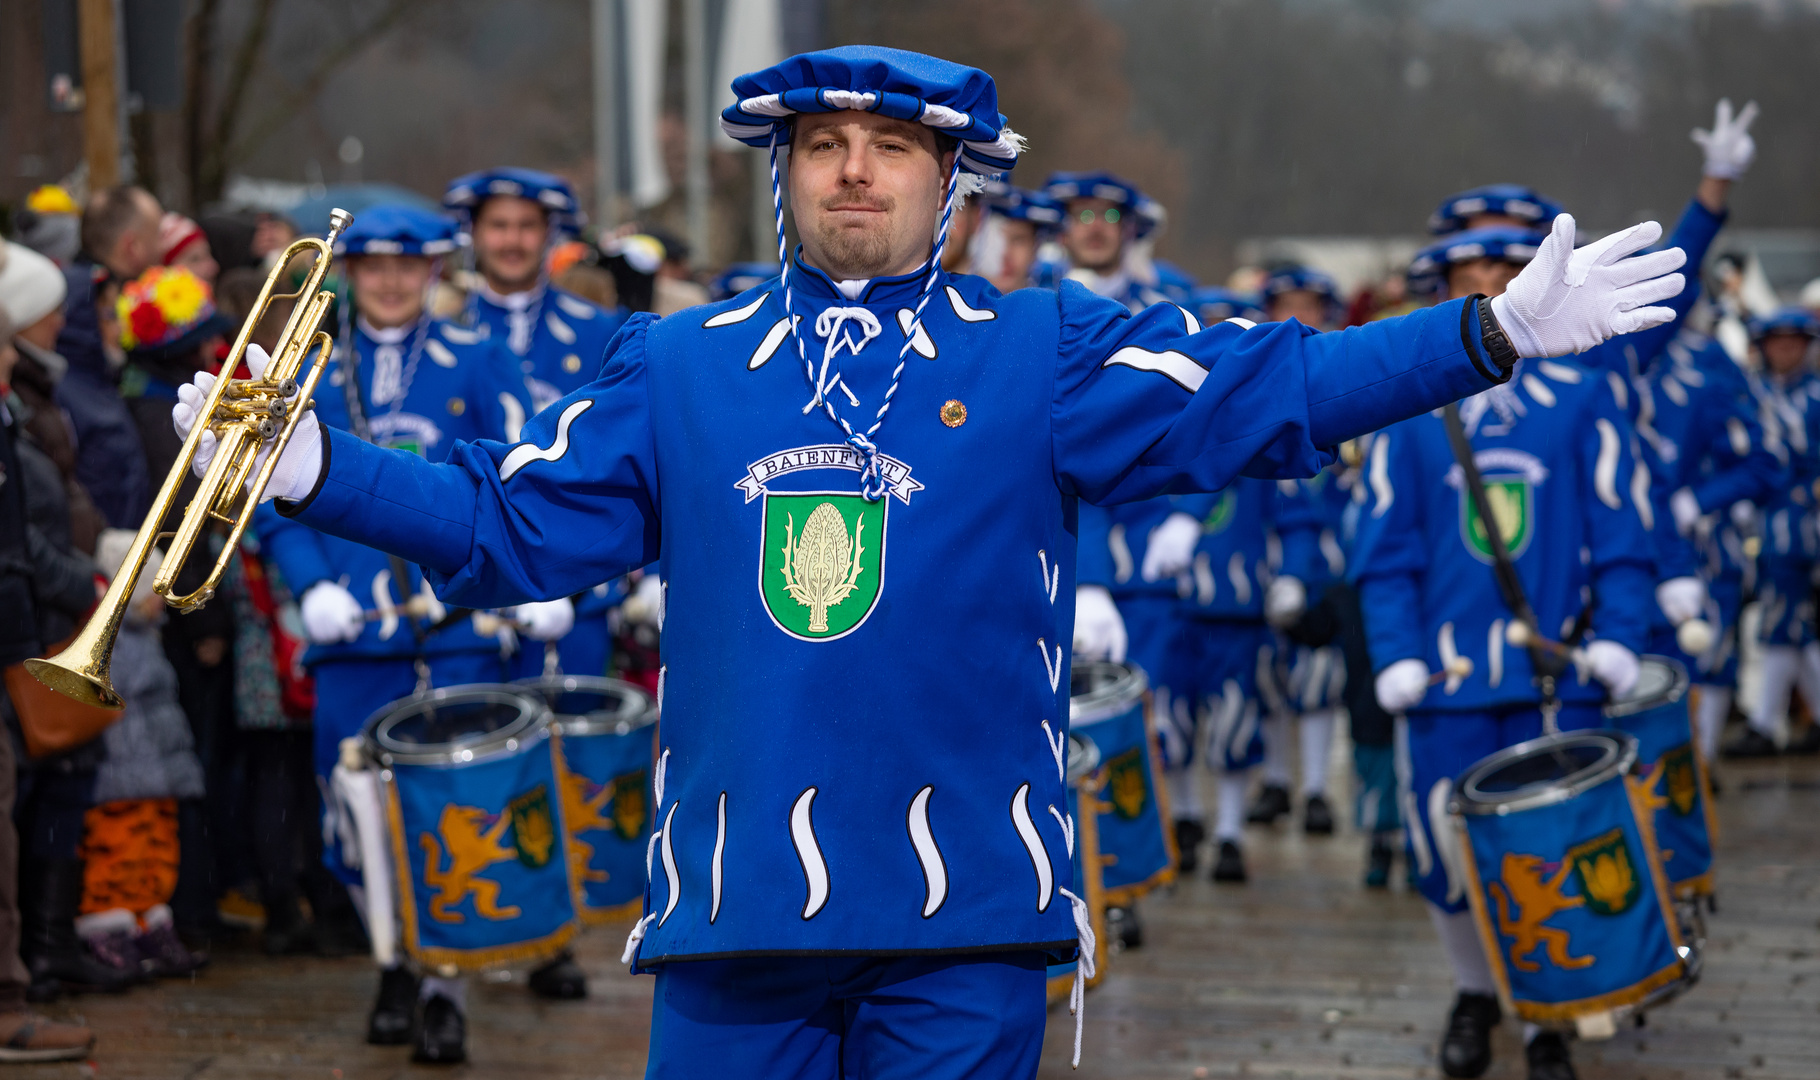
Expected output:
{"points": [[84, 684]]}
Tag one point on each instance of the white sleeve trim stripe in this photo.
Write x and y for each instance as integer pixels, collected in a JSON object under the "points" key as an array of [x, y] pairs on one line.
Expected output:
{"points": [[737, 315], [1179, 368], [525, 453]]}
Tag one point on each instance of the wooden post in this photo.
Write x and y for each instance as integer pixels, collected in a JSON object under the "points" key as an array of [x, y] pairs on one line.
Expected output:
{"points": [[100, 92]]}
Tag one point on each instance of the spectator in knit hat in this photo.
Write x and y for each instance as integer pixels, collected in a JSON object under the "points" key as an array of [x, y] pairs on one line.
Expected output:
{"points": [[181, 242], [50, 223]]}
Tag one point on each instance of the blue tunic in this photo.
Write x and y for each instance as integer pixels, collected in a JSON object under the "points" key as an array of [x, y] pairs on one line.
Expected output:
{"points": [[558, 338], [865, 704], [459, 387], [1554, 447]]}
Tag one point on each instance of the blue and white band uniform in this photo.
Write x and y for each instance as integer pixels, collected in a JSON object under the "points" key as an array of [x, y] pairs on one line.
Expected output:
{"points": [[790, 754], [556, 338]]}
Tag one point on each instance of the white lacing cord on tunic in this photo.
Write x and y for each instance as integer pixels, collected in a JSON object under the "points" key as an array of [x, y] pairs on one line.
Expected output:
{"points": [[1083, 967], [638, 935], [658, 775], [828, 326]]}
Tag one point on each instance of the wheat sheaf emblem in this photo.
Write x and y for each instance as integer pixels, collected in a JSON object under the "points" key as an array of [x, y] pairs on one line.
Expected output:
{"points": [[822, 563]]}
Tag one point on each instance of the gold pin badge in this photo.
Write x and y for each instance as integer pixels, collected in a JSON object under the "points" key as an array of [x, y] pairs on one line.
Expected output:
{"points": [[954, 414], [457, 406], [571, 363]]}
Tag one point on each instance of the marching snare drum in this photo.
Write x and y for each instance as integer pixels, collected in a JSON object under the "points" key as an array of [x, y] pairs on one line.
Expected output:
{"points": [[608, 737], [479, 849], [1670, 777], [1565, 882], [1108, 704], [1083, 786]]}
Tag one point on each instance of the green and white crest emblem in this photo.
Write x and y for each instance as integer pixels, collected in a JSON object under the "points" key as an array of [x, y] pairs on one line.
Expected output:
{"points": [[1221, 515], [1513, 504], [823, 563], [822, 553]]}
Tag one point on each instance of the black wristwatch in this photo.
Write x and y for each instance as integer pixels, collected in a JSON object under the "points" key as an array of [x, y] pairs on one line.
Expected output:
{"points": [[1498, 348]]}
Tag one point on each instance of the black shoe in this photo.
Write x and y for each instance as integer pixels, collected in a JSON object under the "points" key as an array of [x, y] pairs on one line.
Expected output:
{"points": [[442, 1034], [1123, 927], [1548, 1058], [561, 979], [1317, 817], [1188, 836], [1378, 862], [53, 953], [1466, 1048], [1230, 867], [1272, 803], [393, 1018], [1751, 744], [1807, 745]]}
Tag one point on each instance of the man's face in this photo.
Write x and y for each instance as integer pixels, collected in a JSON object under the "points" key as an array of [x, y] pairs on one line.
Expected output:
{"points": [[1488, 221], [1784, 354], [1483, 275], [389, 289], [1096, 233], [136, 251], [866, 191], [1020, 254], [1310, 308], [509, 235]]}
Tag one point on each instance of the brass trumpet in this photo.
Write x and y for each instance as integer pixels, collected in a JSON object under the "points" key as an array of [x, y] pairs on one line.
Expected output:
{"points": [[246, 415]]}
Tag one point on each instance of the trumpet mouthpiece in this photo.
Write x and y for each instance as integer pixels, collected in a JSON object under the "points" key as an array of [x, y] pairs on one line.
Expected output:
{"points": [[339, 220]]}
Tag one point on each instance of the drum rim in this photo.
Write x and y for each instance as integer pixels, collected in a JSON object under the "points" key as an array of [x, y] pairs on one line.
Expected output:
{"points": [[1468, 802], [1114, 699], [532, 724], [591, 723], [1678, 687], [1090, 757]]}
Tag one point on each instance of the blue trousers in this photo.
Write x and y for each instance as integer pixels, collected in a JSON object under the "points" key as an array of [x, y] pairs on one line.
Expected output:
{"points": [[348, 692], [849, 1018], [1433, 749]]}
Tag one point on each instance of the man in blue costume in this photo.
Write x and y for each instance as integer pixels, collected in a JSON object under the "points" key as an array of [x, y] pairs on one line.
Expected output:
{"points": [[1014, 226], [862, 854], [513, 218], [401, 379], [1106, 231]]}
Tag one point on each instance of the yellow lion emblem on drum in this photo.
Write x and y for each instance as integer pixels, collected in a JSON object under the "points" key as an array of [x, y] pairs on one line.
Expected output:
{"points": [[582, 811], [1536, 900], [472, 838]]}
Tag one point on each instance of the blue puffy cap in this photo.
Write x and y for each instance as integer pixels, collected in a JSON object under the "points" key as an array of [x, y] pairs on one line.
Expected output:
{"points": [[738, 278], [1022, 204], [465, 194], [1301, 279], [1522, 203], [1789, 320], [395, 229], [1065, 186], [1428, 270], [1213, 304], [956, 100]]}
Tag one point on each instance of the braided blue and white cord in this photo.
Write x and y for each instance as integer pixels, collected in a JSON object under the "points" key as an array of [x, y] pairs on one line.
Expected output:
{"points": [[871, 478]]}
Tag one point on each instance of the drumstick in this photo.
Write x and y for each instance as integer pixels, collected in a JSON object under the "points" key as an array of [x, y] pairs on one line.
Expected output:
{"points": [[1459, 666], [417, 607], [1518, 633]]}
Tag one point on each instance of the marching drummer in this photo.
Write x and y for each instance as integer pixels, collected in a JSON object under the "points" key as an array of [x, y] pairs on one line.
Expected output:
{"points": [[405, 380], [868, 545], [1106, 224], [1553, 447], [1308, 678]]}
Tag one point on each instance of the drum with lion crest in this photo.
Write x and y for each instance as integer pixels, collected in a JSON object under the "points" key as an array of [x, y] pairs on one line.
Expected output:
{"points": [[608, 733], [479, 849], [1670, 777], [1109, 704], [1566, 883]]}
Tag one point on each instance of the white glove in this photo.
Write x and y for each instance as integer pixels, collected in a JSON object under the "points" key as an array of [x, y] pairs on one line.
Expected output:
{"points": [[1614, 665], [545, 620], [1567, 301], [295, 476], [1681, 599], [1402, 685], [1099, 630], [1729, 147], [330, 613], [1171, 546], [1285, 601], [646, 604], [1686, 510]]}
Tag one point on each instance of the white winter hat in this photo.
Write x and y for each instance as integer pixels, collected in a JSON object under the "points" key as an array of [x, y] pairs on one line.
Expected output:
{"points": [[110, 552], [31, 286]]}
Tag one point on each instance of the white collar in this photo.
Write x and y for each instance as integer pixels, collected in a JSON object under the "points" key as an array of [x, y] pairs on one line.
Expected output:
{"points": [[516, 301], [853, 288], [391, 335]]}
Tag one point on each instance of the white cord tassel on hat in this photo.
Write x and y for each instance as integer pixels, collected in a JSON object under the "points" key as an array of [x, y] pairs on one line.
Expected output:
{"points": [[871, 479], [1083, 968]]}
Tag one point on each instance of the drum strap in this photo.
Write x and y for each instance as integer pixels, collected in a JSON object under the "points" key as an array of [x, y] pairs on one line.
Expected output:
{"points": [[1547, 664]]}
